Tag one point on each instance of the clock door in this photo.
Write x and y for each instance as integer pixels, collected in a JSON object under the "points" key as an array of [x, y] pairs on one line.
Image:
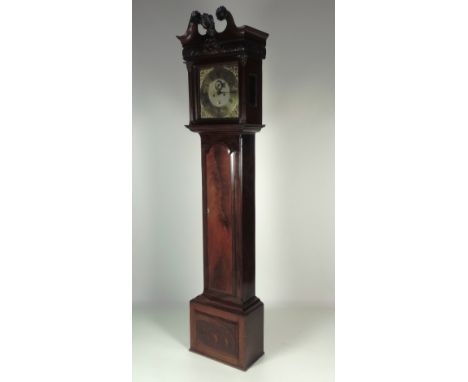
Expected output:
{"points": [[219, 219]]}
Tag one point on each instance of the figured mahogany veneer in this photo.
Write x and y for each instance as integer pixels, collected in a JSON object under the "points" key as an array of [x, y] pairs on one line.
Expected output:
{"points": [[219, 218], [230, 337], [226, 320]]}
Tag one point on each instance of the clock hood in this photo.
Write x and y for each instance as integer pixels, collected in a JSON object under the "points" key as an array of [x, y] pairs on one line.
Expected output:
{"points": [[232, 41]]}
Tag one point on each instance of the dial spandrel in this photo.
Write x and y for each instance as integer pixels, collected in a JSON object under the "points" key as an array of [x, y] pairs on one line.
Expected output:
{"points": [[219, 97]]}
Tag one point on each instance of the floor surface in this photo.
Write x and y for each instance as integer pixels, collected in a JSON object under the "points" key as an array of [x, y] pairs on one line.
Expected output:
{"points": [[299, 346]]}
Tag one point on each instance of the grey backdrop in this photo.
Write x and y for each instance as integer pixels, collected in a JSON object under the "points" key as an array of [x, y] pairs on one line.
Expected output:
{"points": [[294, 162]]}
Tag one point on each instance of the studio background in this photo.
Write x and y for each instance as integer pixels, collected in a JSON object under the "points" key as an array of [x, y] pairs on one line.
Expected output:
{"points": [[294, 193], [294, 154]]}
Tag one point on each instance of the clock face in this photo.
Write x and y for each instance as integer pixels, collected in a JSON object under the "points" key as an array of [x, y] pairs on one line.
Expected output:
{"points": [[219, 86]]}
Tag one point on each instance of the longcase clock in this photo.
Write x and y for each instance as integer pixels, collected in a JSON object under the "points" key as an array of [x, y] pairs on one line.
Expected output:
{"points": [[225, 99]]}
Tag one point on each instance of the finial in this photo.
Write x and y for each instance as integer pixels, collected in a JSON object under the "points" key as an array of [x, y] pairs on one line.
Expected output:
{"points": [[221, 12], [207, 22]]}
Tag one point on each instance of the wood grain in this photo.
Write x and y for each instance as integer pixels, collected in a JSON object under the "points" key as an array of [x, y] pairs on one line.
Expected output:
{"points": [[233, 338], [219, 218]]}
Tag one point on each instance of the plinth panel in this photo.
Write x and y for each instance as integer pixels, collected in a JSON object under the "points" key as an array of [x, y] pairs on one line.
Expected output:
{"points": [[219, 185], [235, 338], [218, 334]]}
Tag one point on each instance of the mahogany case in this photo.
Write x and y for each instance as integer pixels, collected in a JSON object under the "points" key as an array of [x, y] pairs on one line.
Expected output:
{"points": [[226, 320]]}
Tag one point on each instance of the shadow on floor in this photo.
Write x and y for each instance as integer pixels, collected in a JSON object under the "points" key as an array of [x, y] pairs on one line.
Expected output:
{"points": [[285, 329]]}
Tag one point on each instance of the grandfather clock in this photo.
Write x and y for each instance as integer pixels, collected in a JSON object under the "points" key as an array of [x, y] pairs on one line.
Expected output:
{"points": [[225, 98]]}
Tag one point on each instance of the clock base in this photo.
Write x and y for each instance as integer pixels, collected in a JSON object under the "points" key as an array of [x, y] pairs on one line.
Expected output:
{"points": [[232, 335]]}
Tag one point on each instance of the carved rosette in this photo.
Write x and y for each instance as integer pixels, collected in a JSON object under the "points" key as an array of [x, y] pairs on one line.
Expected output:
{"points": [[243, 59]]}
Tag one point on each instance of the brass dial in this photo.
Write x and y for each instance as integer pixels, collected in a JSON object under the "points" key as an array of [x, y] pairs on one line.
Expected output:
{"points": [[219, 91]]}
